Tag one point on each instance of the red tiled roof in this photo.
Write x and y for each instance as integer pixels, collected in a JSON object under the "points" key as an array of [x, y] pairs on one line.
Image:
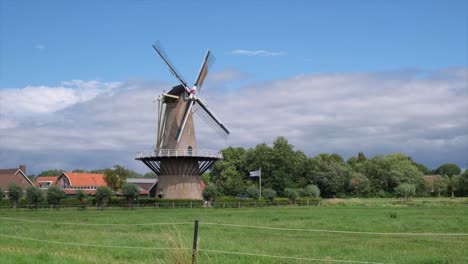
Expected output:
{"points": [[13, 175], [85, 179], [51, 179]]}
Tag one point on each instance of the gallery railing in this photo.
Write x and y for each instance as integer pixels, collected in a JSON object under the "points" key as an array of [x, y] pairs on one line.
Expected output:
{"points": [[180, 153]]}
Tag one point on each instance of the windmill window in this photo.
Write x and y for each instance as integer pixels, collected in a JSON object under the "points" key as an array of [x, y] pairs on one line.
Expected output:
{"points": [[189, 149]]}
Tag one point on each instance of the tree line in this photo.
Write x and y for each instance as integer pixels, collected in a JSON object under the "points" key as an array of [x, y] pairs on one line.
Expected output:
{"points": [[284, 169]]}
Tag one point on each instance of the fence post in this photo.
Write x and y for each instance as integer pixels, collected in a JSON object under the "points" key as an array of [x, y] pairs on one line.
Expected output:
{"points": [[195, 243], [173, 205]]}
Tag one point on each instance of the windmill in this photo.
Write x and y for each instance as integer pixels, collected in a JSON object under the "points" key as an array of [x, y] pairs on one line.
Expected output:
{"points": [[176, 159]]}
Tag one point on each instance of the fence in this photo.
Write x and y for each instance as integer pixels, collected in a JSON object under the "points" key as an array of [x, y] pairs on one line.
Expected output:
{"points": [[199, 236]]}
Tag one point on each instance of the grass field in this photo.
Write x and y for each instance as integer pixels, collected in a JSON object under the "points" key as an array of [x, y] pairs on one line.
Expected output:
{"points": [[141, 235]]}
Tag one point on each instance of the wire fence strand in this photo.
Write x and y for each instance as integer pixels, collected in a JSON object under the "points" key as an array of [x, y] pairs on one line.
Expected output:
{"points": [[291, 258], [92, 224], [86, 245], [337, 231]]}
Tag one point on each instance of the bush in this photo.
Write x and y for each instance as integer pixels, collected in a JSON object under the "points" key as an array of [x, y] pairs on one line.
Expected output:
{"points": [[103, 194], [34, 196], [253, 192], [82, 197], [311, 191], [55, 195], [269, 194], [130, 192], [15, 192], [1, 194], [291, 194], [210, 192], [406, 190]]}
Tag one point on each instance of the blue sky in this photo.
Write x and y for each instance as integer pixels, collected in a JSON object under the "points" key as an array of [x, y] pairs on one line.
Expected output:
{"points": [[46, 42], [77, 78]]}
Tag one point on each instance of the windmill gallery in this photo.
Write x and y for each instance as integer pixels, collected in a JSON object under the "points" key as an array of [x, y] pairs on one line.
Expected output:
{"points": [[176, 159]]}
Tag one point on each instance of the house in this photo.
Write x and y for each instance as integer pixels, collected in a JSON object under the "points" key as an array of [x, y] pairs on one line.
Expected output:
{"points": [[71, 182], [17, 175], [44, 182], [146, 186]]}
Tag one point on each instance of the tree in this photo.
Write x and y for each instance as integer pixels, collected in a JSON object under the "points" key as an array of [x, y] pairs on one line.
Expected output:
{"points": [[463, 183], [406, 190], [454, 184], [1, 194], [82, 197], [385, 173], [130, 191], [441, 184], [54, 195], [150, 175], [448, 169], [210, 193], [359, 185], [269, 194], [331, 175], [103, 195], [311, 190], [54, 172], [115, 177], [291, 194], [15, 192], [34, 196], [253, 191]]}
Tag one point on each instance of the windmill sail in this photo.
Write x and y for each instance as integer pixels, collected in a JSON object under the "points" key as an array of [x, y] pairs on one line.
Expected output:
{"points": [[157, 47], [209, 117], [206, 64]]}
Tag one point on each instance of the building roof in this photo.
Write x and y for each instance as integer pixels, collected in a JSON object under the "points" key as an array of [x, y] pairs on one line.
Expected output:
{"points": [[144, 183], [85, 179], [50, 179], [8, 176]]}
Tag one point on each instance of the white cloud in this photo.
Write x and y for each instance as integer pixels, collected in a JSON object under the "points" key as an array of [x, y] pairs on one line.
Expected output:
{"points": [[264, 53], [32, 100], [424, 117]]}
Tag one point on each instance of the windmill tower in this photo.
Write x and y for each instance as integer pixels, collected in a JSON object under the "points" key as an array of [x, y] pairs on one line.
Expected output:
{"points": [[176, 159]]}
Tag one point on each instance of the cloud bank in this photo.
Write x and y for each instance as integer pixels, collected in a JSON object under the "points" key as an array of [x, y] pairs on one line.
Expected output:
{"points": [[94, 125]]}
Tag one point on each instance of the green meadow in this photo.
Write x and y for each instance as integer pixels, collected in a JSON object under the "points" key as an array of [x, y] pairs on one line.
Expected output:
{"points": [[425, 231]]}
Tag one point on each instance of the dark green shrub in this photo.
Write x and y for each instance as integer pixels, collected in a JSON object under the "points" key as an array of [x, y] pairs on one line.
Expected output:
{"points": [[103, 195], [34, 196], [83, 198], [311, 191], [55, 195], [15, 192], [1, 194], [269, 194], [291, 194], [130, 192], [210, 192], [253, 192]]}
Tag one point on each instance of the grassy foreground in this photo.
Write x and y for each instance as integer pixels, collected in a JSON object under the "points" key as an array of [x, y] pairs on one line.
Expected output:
{"points": [[140, 236]]}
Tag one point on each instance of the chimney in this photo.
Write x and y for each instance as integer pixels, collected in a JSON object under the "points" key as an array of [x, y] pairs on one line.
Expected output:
{"points": [[23, 168]]}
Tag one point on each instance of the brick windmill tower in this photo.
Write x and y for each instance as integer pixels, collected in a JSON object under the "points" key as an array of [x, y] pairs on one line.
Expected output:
{"points": [[176, 159]]}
